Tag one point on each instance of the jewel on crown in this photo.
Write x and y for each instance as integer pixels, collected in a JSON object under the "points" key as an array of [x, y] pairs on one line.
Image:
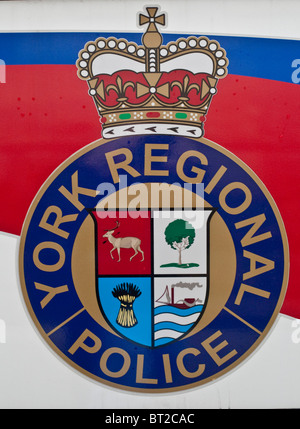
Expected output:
{"points": [[152, 89]]}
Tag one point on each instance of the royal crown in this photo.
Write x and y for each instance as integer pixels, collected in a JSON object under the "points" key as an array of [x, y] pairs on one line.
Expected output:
{"points": [[152, 89]]}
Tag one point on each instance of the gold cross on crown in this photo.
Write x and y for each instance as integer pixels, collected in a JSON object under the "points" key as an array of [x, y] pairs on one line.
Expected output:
{"points": [[152, 38]]}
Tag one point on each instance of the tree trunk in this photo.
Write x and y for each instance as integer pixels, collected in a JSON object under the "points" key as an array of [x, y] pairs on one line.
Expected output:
{"points": [[180, 263]]}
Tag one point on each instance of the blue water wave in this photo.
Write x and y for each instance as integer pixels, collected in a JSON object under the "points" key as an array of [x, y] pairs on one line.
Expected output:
{"points": [[173, 326], [179, 311], [179, 329], [162, 341]]}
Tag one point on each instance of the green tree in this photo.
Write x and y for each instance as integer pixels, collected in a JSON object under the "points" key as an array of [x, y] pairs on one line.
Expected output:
{"points": [[180, 235]]}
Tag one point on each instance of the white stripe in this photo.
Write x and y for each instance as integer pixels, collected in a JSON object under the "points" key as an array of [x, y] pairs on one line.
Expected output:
{"points": [[167, 333], [266, 18], [180, 320]]}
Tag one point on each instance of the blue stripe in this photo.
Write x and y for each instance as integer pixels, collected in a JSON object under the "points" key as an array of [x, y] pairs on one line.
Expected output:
{"points": [[261, 57], [179, 311], [49, 48], [248, 56], [162, 341], [172, 326]]}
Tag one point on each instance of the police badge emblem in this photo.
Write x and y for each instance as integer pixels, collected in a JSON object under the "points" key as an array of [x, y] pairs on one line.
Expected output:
{"points": [[153, 260]]}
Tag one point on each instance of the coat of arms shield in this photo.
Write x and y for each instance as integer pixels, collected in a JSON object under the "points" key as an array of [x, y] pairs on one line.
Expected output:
{"points": [[152, 275]]}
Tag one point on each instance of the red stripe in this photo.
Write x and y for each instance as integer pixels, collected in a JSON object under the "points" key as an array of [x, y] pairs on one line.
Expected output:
{"points": [[258, 120], [46, 115]]}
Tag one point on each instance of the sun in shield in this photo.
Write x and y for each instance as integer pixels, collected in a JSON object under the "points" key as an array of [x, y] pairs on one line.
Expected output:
{"points": [[152, 276]]}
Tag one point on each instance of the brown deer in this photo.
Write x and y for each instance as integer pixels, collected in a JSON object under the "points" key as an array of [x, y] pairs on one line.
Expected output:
{"points": [[123, 243]]}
